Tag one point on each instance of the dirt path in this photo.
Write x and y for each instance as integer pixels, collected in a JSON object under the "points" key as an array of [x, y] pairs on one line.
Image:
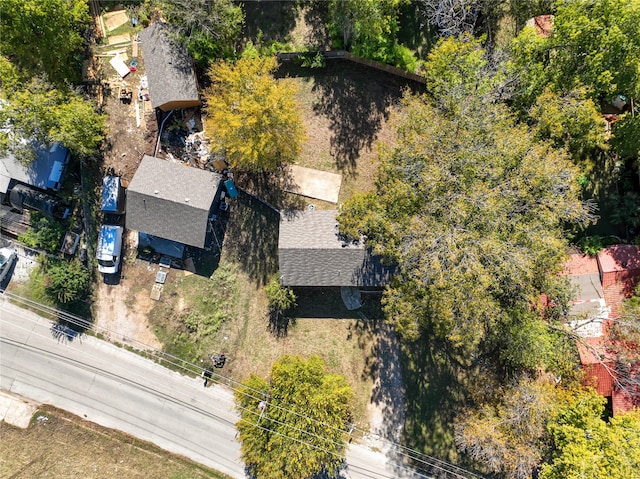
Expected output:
{"points": [[125, 325], [122, 309], [386, 410]]}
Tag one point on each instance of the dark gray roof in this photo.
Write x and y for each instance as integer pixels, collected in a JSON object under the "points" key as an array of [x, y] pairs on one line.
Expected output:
{"points": [[171, 201], [168, 67], [312, 254], [44, 172]]}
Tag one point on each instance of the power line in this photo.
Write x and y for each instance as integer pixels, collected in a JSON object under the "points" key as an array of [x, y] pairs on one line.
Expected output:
{"points": [[183, 403], [236, 386]]}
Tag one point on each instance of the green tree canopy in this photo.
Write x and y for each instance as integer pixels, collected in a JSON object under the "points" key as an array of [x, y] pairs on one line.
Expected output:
{"points": [[458, 71], [208, 29], [369, 28], [571, 120], [44, 37], [472, 208], [252, 118], [592, 53], [593, 44], [44, 234], [293, 425], [66, 281], [584, 445], [40, 112], [509, 437]]}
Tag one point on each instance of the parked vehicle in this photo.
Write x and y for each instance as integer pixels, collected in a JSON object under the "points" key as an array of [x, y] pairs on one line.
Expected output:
{"points": [[7, 257], [113, 195], [109, 249]]}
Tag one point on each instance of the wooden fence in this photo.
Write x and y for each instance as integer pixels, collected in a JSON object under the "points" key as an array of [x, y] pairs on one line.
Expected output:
{"points": [[343, 55]]}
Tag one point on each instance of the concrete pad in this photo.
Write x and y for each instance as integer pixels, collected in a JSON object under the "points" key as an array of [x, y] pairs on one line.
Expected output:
{"points": [[321, 185], [113, 20], [16, 410]]}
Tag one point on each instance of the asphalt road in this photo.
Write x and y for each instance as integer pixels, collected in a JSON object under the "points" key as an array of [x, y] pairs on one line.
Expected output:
{"points": [[119, 389]]}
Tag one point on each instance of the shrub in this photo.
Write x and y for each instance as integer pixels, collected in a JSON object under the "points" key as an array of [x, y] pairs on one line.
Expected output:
{"points": [[311, 60], [404, 58], [280, 299], [45, 234], [591, 245], [66, 281]]}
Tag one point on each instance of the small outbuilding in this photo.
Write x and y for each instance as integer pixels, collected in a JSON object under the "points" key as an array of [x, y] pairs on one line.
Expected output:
{"points": [[169, 68], [619, 263], [173, 201], [311, 252]]}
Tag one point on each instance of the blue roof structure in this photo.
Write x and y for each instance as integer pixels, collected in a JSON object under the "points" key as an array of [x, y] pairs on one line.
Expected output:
{"points": [[44, 172]]}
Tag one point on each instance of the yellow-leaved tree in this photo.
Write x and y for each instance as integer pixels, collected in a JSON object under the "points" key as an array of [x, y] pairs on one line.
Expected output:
{"points": [[252, 118]]}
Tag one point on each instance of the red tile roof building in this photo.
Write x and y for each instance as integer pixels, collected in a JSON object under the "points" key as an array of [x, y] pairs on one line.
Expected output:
{"points": [[618, 268]]}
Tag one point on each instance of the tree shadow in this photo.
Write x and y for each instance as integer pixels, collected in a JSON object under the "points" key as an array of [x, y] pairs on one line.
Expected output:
{"points": [[270, 21], [436, 390], [279, 324], [251, 236], [383, 366], [356, 100], [315, 16]]}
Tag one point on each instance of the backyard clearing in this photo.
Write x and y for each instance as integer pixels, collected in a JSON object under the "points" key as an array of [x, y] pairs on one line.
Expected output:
{"points": [[61, 445]]}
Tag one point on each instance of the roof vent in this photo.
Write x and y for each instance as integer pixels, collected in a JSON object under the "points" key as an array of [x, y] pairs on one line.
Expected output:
{"points": [[187, 200], [156, 192]]}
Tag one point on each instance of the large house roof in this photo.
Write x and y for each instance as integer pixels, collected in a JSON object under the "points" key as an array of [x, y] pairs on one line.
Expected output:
{"points": [[171, 201], [44, 172], [311, 253], [168, 67]]}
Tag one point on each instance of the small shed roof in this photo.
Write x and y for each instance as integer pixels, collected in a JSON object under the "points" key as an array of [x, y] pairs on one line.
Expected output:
{"points": [[619, 257], [172, 201], [542, 23], [311, 253], [169, 68], [44, 172]]}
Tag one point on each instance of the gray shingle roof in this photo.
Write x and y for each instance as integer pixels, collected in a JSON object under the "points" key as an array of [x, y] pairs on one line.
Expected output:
{"points": [[171, 201], [168, 66], [312, 254]]}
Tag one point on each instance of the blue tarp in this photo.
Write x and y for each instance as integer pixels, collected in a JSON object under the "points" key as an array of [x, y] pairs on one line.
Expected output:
{"points": [[161, 245], [231, 188]]}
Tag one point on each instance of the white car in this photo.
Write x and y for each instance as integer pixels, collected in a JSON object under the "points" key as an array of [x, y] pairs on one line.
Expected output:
{"points": [[7, 257], [109, 248]]}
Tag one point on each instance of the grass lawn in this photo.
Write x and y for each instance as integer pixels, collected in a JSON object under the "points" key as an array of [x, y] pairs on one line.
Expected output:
{"points": [[65, 446], [231, 315]]}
